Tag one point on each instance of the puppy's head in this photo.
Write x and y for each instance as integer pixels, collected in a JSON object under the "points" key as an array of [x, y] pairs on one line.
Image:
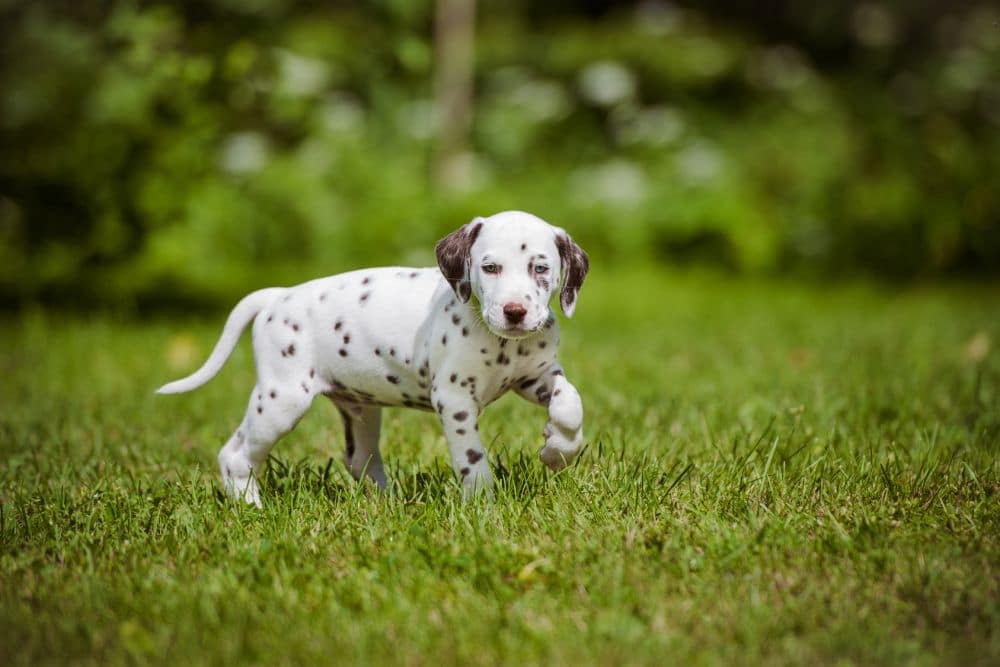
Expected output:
{"points": [[511, 262]]}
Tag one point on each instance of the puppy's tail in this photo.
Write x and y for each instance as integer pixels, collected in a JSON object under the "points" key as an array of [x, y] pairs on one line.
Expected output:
{"points": [[242, 315]]}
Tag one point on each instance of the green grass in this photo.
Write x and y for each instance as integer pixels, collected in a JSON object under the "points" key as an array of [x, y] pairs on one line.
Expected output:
{"points": [[777, 474]]}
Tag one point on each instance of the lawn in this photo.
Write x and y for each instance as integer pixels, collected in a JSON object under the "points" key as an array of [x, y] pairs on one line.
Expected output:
{"points": [[776, 474]]}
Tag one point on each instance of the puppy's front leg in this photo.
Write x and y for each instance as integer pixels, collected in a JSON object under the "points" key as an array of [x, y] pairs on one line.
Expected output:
{"points": [[460, 419], [564, 430]]}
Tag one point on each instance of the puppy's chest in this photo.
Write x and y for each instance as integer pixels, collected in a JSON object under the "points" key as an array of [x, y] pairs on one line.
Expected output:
{"points": [[485, 367]]}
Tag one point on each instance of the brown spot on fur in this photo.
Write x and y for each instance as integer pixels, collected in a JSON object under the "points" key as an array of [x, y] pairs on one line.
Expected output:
{"points": [[473, 455]]}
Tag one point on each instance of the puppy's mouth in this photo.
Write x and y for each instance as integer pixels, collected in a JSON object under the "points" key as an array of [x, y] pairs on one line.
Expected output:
{"points": [[515, 331]]}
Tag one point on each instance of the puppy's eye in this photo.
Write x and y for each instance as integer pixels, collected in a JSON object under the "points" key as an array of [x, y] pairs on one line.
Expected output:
{"points": [[491, 268], [541, 268]]}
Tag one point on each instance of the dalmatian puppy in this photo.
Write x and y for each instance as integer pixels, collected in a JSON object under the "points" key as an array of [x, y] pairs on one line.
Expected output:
{"points": [[450, 339]]}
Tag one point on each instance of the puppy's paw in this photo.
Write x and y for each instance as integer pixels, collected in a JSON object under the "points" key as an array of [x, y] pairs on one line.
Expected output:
{"points": [[561, 446], [243, 489]]}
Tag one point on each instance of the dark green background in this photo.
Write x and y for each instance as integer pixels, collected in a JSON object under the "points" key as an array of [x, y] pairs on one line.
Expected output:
{"points": [[186, 152]]}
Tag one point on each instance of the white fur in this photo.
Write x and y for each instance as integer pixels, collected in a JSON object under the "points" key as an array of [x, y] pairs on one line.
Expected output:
{"points": [[400, 336]]}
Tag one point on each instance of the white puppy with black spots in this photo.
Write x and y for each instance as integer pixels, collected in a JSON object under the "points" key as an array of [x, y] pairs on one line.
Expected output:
{"points": [[451, 339]]}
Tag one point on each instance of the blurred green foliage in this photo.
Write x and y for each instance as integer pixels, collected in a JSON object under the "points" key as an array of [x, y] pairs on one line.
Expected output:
{"points": [[192, 150]]}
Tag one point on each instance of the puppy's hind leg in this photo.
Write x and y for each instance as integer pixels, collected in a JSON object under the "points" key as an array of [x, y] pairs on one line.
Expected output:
{"points": [[362, 425], [271, 414]]}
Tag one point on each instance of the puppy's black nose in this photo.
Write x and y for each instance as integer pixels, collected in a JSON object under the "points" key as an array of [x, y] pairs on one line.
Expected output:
{"points": [[514, 312]]}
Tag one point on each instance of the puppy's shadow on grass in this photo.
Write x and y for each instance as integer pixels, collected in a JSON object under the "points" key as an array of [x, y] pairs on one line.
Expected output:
{"points": [[517, 476]]}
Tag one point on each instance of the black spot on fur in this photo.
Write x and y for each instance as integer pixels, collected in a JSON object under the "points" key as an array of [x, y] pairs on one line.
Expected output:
{"points": [[542, 344], [295, 327], [454, 376], [528, 383], [557, 372], [305, 387], [336, 327], [483, 350], [378, 352], [465, 472], [444, 339], [259, 409], [291, 350], [312, 372], [274, 394], [460, 431], [524, 246], [440, 406], [343, 352], [422, 372], [455, 319], [392, 352], [557, 392], [473, 455], [364, 298], [366, 280], [347, 338], [392, 378], [322, 297], [414, 274], [270, 317], [461, 416]]}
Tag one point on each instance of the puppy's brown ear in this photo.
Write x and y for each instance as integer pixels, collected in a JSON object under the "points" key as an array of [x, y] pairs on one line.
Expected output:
{"points": [[574, 269], [454, 257]]}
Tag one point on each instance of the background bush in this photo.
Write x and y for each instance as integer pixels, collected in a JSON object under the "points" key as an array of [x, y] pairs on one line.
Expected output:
{"points": [[186, 151]]}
